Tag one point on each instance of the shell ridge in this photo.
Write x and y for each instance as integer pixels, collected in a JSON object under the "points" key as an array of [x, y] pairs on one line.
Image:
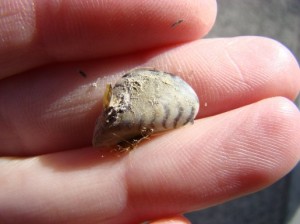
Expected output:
{"points": [[166, 116], [179, 115]]}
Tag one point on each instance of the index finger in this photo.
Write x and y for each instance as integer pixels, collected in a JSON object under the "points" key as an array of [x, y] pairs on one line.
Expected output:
{"points": [[39, 32]]}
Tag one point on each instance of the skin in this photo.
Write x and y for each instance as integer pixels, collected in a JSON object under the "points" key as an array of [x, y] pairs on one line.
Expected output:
{"points": [[246, 136]]}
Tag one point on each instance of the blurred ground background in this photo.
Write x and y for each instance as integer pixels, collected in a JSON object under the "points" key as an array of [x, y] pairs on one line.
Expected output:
{"points": [[280, 20]]}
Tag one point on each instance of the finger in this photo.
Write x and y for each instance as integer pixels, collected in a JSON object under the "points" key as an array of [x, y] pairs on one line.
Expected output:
{"points": [[41, 32], [57, 111], [179, 219], [216, 159]]}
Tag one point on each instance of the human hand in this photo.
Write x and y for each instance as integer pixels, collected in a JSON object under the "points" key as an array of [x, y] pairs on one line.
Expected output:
{"points": [[246, 136]]}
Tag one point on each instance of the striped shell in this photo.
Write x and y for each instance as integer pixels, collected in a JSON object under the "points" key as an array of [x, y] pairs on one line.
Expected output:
{"points": [[144, 101]]}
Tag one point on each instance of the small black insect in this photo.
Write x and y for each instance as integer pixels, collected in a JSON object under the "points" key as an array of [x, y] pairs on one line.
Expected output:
{"points": [[82, 73], [177, 23]]}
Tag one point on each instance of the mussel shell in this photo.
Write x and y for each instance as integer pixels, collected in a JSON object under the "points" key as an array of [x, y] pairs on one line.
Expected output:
{"points": [[144, 101]]}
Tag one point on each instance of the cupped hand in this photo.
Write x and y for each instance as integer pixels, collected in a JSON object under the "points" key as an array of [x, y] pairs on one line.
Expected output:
{"points": [[56, 58]]}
